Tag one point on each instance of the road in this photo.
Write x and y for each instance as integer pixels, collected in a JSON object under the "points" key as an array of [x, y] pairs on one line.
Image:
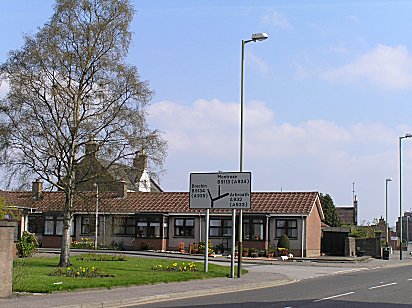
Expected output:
{"points": [[387, 287]]}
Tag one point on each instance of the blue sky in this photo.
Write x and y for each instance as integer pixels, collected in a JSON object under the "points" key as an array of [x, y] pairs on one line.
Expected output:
{"points": [[327, 95]]}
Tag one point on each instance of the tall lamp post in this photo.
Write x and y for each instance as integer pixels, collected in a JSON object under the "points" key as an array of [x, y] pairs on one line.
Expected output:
{"points": [[97, 215], [408, 135], [386, 203], [255, 38]]}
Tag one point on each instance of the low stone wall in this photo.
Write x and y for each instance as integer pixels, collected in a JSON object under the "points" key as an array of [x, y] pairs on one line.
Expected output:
{"points": [[7, 253], [369, 247]]}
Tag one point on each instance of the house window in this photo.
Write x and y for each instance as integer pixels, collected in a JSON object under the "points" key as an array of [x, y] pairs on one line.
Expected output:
{"points": [[36, 224], [87, 225], [53, 225], [220, 228], [184, 227], [253, 229], [124, 225], [148, 227], [288, 227]]}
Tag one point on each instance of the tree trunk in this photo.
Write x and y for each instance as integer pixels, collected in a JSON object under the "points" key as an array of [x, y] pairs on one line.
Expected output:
{"points": [[66, 238]]}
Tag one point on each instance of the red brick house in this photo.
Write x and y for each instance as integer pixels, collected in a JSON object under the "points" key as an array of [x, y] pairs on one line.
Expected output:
{"points": [[163, 219]]}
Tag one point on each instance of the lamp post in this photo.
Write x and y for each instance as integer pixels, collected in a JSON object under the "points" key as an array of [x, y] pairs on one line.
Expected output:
{"points": [[386, 203], [408, 135], [255, 38], [97, 215]]}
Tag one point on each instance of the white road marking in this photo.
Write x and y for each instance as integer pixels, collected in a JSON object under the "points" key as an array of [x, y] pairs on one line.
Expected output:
{"points": [[409, 279], [330, 297], [383, 285]]}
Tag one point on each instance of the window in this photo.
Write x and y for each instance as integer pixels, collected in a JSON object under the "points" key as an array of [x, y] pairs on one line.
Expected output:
{"points": [[88, 225], [53, 225], [124, 225], [49, 225], [148, 226], [253, 229], [36, 224], [220, 227], [288, 227], [184, 227]]}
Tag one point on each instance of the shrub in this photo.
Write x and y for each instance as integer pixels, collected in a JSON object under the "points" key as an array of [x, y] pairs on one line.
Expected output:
{"points": [[27, 244], [81, 272], [202, 248], [117, 245], [183, 267], [95, 257], [181, 246], [84, 243], [147, 246], [284, 242]]}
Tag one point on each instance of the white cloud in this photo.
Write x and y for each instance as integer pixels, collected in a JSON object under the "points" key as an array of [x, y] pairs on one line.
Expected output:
{"points": [[277, 20], [314, 155], [258, 63], [301, 72], [386, 66]]}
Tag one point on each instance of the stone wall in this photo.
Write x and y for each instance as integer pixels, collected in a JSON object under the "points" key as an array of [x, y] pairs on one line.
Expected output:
{"points": [[369, 247], [6, 258]]}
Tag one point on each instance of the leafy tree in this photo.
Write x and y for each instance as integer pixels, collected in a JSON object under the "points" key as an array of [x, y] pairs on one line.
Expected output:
{"points": [[68, 83], [329, 210], [8, 211]]}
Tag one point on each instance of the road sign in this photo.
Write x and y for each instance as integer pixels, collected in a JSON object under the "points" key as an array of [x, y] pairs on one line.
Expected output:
{"points": [[223, 190]]}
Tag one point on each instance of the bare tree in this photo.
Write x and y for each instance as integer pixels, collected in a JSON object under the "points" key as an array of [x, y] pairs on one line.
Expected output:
{"points": [[69, 82]]}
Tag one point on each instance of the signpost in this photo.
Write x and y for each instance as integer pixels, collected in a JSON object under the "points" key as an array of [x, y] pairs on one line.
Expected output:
{"points": [[223, 190]]}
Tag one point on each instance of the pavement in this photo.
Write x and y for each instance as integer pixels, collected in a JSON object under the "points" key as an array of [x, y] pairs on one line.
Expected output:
{"points": [[263, 273]]}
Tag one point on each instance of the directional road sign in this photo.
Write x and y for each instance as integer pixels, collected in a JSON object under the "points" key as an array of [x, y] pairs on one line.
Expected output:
{"points": [[223, 190]]}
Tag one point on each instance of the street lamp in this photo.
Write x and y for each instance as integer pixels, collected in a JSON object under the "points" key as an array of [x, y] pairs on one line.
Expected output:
{"points": [[97, 215], [386, 197], [408, 135], [255, 38]]}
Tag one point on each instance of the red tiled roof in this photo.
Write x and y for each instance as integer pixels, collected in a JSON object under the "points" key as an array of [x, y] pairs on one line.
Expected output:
{"points": [[288, 203]]}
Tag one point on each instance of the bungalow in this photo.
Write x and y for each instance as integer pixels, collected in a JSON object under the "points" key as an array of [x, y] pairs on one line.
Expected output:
{"points": [[161, 220]]}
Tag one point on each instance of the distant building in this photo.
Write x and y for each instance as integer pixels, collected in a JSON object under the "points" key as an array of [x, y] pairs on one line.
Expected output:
{"points": [[348, 214], [406, 226]]}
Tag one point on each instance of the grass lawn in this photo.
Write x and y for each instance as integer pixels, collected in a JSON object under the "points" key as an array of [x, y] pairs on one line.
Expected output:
{"points": [[33, 274]]}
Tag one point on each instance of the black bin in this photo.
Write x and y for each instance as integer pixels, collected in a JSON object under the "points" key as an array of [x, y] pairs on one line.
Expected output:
{"points": [[386, 252]]}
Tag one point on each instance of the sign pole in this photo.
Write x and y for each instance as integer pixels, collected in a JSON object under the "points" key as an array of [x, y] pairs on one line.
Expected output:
{"points": [[207, 241], [232, 259]]}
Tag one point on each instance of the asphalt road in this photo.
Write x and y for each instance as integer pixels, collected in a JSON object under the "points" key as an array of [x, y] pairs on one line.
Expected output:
{"points": [[388, 287]]}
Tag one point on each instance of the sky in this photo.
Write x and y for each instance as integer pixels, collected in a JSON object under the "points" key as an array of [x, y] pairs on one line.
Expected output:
{"points": [[327, 95]]}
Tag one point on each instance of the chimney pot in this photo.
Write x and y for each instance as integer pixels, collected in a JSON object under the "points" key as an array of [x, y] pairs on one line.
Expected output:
{"points": [[37, 189]]}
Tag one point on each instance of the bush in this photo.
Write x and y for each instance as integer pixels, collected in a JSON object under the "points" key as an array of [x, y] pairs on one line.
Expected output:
{"points": [[147, 246], [183, 267], [81, 272], [27, 244], [284, 242], [202, 248], [84, 243]]}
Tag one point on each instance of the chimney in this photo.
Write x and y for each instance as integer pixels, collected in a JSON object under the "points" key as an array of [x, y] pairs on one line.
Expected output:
{"points": [[91, 147], [140, 161], [122, 189], [37, 189], [355, 209]]}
